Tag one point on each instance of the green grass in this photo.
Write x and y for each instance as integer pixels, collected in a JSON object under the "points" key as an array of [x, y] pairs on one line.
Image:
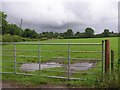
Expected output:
{"points": [[36, 80]]}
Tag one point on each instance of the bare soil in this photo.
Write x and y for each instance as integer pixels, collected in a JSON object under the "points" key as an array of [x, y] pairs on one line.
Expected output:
{"points": [[11, 84], [6, 84]]}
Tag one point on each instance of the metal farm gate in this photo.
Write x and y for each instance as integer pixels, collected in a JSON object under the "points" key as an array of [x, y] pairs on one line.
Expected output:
{"points": [[53, 60]]}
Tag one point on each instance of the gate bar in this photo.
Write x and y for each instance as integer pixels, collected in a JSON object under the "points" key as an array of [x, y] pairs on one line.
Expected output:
{"points": [[69, 62], [51, 43], [39, 57], [15, 58]]}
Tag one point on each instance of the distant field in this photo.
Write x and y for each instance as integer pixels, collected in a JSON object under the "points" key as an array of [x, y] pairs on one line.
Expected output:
{"points": [[48, 55]]}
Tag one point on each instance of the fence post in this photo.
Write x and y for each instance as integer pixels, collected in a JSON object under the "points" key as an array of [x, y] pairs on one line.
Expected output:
{"points": [[103, 57], [119, 68], [14, 58], [39, 57], [68, 62], [107, 55], [118, 62], [112, 60]]}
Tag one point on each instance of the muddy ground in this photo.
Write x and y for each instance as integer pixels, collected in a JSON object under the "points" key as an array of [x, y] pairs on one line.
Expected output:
{"points": [[7, 84]]}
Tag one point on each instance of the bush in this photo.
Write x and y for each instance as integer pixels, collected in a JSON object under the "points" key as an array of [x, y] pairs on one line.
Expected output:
{"points": [[59, 37], [26, 39], [29, 39], [42, 39], [7, 38], [11, 38], [17, 38]]}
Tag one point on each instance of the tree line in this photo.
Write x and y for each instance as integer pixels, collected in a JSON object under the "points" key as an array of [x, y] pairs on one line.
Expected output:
{"points": [[18, 34]]}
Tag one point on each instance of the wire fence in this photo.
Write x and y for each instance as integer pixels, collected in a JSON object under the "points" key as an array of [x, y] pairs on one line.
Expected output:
{"points": [[53, 60]]}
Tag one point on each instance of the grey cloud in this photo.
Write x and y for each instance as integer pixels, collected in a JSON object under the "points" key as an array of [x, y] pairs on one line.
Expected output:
{"points": [[59, 16]]}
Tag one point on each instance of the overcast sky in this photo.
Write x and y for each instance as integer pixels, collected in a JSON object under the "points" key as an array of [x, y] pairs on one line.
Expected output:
{"points": [[59, 15]]}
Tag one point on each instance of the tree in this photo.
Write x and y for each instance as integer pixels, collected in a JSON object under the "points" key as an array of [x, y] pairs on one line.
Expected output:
{"points": [[7, 28], [106, 33], [0, 22], [30, 33], [13, 29], [51, 35], [89, 32], [4, 22], [34, 34], [56, 35], [77, 34], [69, 33], [27, 33]]}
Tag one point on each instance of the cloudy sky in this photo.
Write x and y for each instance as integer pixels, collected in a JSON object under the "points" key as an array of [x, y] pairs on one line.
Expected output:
{"points": [[59, 15]]}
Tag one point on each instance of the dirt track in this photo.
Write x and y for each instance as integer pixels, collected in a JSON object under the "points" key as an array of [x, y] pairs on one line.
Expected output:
{"points": [[8, 84]]}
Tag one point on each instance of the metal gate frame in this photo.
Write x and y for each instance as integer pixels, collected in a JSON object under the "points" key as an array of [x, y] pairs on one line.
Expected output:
{"points": [[39, 60]]}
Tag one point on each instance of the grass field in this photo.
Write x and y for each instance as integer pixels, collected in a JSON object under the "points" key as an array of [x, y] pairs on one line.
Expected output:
{"points": [[35, 81]]}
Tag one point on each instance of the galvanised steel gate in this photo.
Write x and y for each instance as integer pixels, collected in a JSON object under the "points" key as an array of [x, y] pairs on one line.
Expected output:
{"points": [[63, 55]]}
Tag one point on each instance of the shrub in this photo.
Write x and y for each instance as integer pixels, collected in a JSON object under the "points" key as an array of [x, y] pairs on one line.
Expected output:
{"points": [[7, 38], [17, 38], [26, 39], [59, 37], [42, 39], [11, 38]]}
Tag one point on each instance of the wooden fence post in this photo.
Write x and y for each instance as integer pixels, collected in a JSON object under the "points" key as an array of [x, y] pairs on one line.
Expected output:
{"points": [[112, 60], [107, 55]]}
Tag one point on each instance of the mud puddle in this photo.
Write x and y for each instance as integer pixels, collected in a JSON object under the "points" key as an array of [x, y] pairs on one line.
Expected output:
{"points": [[75, 66]]}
